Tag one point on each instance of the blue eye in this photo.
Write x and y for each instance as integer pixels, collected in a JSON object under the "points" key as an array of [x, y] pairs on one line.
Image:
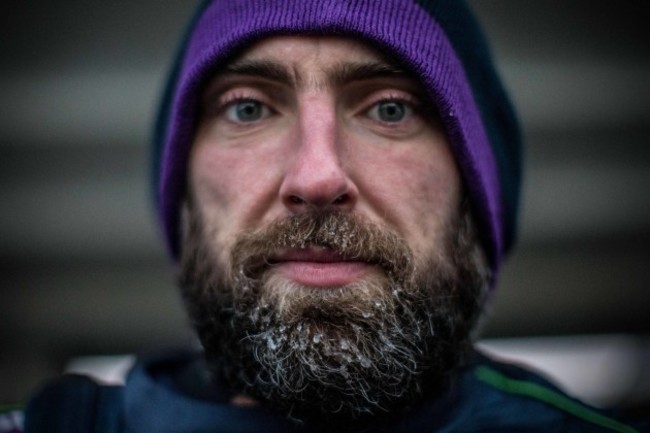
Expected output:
{"points": [[390, 111], [247, 111]]}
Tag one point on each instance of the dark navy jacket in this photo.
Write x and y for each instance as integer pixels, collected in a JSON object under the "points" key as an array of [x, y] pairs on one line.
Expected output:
{"points": [[171, 394]]}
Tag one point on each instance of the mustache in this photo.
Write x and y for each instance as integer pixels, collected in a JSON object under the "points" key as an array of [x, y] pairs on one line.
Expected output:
{"points": [[349, 236]]}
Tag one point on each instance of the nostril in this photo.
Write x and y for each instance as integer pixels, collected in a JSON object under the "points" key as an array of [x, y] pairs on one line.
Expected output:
{"points": [[294, 199], [339, 200]]}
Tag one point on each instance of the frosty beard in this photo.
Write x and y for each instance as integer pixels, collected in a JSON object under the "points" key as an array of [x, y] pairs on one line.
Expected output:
{"points": [[378, 345]]}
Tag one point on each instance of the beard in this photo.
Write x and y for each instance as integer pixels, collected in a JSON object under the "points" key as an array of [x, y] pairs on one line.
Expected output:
{"points": [[378, 345]]}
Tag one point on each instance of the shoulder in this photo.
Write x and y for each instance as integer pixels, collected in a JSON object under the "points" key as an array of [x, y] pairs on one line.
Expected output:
{"points": [[81, 403], [508, 397], [75, 403]]}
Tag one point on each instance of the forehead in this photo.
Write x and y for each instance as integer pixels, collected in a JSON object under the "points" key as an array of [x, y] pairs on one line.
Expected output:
{"points": [[319, 49], [317, 62]]}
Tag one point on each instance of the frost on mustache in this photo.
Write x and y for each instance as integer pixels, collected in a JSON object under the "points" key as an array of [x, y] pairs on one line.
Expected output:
{"points": [[349, 237], [352, 350]]}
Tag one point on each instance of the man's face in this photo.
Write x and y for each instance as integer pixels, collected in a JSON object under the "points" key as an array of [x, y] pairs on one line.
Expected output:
{"points": [[329, 264], [297, 123]]}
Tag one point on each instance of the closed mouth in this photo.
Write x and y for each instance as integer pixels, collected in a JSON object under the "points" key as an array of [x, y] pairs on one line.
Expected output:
{"points": [[319, 267]]}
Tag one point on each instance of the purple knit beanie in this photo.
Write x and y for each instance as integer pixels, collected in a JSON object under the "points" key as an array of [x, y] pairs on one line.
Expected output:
{"points": [[438, 40]]}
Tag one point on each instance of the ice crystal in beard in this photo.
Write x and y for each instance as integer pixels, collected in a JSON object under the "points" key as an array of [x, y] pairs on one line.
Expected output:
{"points": [[351, 351], [374, 346]]}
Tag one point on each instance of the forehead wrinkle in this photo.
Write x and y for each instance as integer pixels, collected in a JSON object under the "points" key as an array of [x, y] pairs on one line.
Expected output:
{"points": [[298, 79]]}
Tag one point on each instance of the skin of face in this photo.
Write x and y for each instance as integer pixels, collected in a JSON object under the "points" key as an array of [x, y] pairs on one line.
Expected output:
{"points": [[302, 123]]}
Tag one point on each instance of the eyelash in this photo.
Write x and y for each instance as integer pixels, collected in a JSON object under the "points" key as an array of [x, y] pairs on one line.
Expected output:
{"points": [[232, 98], [409, 104], [239, 96], [401, 98]]}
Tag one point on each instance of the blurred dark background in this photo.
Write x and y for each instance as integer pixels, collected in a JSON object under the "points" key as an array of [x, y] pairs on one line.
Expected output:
{"points": [[82, 266]]}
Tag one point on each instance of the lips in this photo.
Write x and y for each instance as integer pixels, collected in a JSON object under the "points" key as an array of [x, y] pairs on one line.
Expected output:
{"points": [[309, 254], [319, 267]]}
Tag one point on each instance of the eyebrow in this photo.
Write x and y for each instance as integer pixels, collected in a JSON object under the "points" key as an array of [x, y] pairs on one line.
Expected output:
{"points": [[336, 76], [350, 72], [259, 68]]}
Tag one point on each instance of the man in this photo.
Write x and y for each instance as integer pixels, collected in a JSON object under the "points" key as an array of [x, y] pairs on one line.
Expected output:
{"points": [[338, 181]]}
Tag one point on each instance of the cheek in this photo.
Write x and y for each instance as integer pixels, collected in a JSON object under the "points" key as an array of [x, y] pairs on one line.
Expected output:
{"points": [[229, 170], [213, 178], [211, 194], [439, 197], [229, 188], [416, 190]]}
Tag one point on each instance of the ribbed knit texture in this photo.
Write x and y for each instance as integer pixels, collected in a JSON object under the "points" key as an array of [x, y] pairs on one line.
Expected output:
{"points": [[456, 73]]}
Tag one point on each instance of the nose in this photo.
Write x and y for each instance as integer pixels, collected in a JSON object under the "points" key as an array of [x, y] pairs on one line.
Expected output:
{"points": [[316, 177]]}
